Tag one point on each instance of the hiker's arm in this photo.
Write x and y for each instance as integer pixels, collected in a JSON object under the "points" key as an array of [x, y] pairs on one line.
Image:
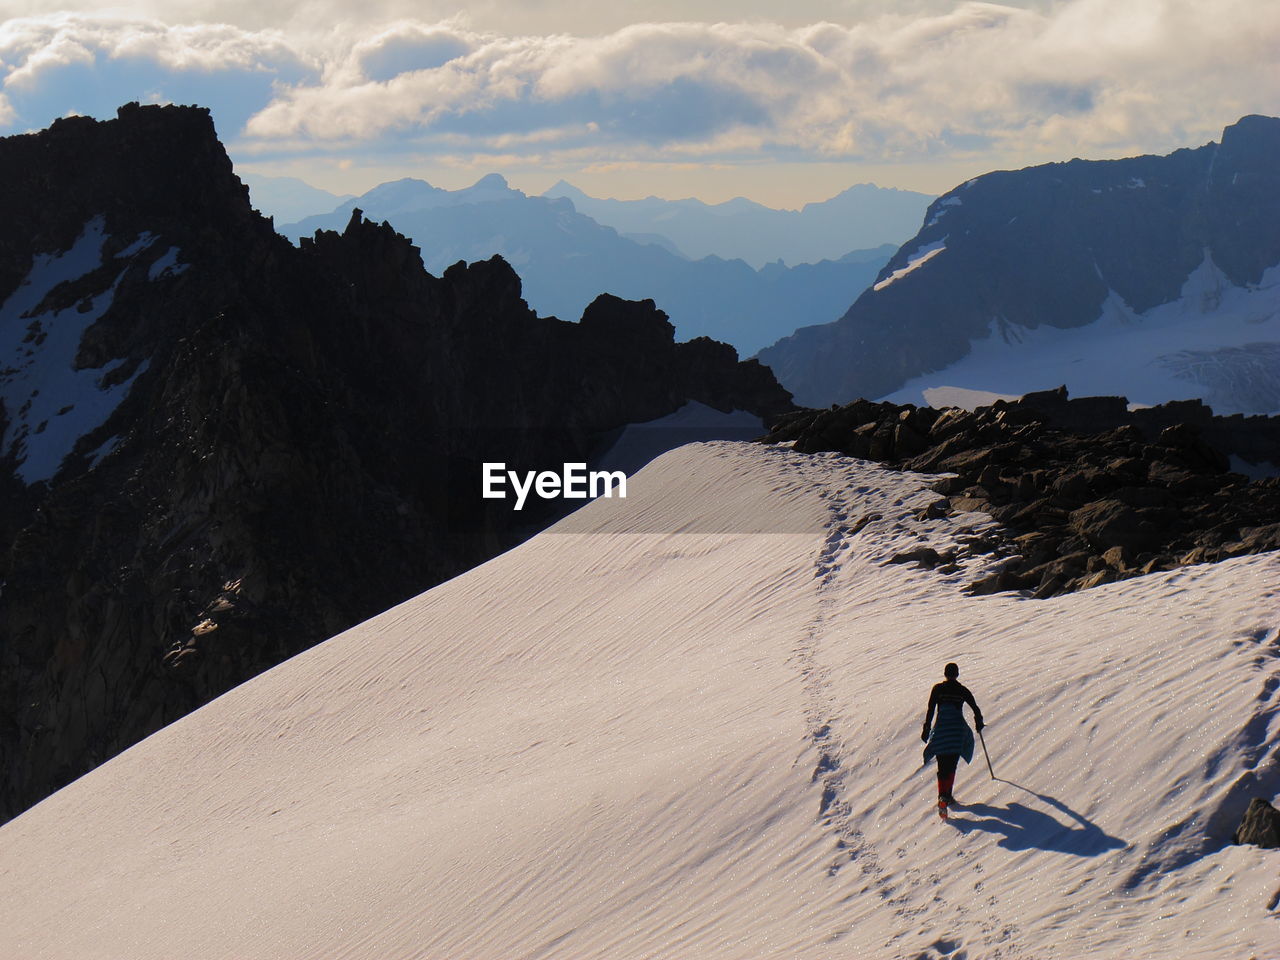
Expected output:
{"points": [[928, 716], [973, 704]]}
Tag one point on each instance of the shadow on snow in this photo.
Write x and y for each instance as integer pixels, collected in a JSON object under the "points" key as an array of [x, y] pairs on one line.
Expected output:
{"points": [[1026, 828]]}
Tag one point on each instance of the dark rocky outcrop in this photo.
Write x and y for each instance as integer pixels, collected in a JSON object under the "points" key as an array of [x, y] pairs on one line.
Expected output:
{"points": [[300, 448], [1045, 247], [1260, 826], [1087, 491]]}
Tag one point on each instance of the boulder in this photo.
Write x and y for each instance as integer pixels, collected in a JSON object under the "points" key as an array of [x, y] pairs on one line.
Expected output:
{"points": [[1117, 558], [1112, 523], [1260, 826], [927, 557]]}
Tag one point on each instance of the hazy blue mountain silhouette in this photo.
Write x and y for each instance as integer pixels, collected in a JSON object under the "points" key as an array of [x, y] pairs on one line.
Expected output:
{"points": [[565, 259], [862, 216], [288, 198]]}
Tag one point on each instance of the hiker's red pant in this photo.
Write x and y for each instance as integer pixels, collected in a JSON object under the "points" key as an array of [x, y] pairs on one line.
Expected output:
{"points": [[947, 772]]}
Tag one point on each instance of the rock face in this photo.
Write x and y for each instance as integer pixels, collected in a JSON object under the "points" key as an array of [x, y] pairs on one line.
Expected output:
{"points": [[1087, 491], [1260, 826], [220, 449], [1007, 262]]}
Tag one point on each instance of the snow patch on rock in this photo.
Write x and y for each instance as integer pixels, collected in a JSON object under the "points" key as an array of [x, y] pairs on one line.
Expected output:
{"points": [[915, 261], [145, 240], [941, 209], [104, 449], [167, 265], [49, 403]]}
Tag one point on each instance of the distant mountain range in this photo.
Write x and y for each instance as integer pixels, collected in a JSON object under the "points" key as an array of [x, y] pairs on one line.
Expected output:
{"points": [[565, 259], [287, 198], [862, 216], [1154, 277]]}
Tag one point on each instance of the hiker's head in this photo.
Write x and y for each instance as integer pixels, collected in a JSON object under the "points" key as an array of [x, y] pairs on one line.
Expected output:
{"points": [[951, 671]]}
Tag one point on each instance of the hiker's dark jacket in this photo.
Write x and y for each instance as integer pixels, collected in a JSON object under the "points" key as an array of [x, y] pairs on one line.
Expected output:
{"points": [[951, 734]]}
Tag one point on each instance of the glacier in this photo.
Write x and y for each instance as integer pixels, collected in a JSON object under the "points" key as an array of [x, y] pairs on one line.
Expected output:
{"points": [[1217, 341]]}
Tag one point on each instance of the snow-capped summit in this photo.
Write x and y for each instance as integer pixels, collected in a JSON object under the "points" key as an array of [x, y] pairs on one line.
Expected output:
{"points": [[1156, 278]]}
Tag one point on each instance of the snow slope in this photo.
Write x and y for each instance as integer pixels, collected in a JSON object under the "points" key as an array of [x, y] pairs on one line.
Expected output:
{"points": [[686, 725]]}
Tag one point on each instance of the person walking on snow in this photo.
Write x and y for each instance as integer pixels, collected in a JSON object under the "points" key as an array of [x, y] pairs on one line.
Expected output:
{"points": [[951, 737]]}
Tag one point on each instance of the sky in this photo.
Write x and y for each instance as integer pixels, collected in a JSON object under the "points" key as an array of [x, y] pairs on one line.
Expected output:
{"points": [[705, 98]]}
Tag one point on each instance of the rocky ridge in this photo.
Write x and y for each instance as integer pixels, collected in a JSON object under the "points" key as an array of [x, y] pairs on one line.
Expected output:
{"points": [[1086, 491], [298, 444]]}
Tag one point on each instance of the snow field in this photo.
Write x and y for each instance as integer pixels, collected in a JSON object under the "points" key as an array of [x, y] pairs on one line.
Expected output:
{"points": [[1217, 342], [698, 740]]}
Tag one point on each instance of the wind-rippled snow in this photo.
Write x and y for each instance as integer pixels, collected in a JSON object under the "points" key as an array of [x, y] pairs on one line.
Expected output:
{"points": [[700, 740]]}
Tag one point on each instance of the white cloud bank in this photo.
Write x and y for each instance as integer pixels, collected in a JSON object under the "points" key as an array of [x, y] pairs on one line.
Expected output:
{"points": [[68, 63], [1087, 77]]}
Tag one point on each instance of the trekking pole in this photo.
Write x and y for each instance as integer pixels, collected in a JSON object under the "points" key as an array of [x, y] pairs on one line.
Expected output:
{"points": [[983, 740]]}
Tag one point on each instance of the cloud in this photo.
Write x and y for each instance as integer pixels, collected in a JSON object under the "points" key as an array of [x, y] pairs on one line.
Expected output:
{"points": [[1082, 75], [1073, 77], [408, 47], [56, 64], [508, 17]]}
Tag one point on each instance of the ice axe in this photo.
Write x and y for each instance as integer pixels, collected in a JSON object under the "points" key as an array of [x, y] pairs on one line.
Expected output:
{"points": [[983, 741]]}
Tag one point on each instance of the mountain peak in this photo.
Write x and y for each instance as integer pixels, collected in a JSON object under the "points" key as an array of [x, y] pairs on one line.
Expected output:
{"points": [[492, 186], [491, 181], [563, 188], [399, 191], [1254, 131]]}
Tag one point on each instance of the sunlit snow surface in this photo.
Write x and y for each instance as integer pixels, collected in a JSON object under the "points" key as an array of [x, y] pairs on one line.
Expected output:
{"points": [[50, 404], [965, 399], [702, 744], [1217, 341]]}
